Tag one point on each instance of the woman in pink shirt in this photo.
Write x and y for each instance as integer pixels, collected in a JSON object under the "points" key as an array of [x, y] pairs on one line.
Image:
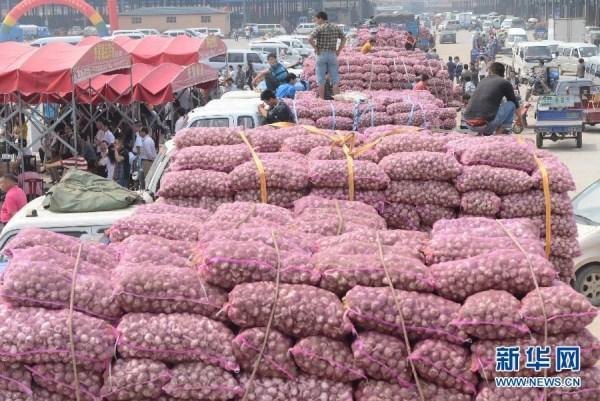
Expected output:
{"points": [[14, 198]]}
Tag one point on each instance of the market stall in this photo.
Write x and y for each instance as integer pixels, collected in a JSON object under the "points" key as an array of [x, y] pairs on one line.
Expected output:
{"points": [[53, 73]]}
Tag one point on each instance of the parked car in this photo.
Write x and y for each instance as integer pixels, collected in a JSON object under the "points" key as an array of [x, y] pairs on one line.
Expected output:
{"points": [[305, 50], [570, 53], [586, 206], [198, 32], [149, 31], [286, 55], [216, 32], [130, 33], [34, 215], [305, 28], [237, 57], [72, 40], [177, 32]]}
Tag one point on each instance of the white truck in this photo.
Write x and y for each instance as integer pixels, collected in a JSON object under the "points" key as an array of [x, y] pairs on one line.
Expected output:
{"points": [[566, 29]]}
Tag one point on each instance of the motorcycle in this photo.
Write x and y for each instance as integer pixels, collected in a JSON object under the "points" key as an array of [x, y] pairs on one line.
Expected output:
{"points": [[536, 88]]}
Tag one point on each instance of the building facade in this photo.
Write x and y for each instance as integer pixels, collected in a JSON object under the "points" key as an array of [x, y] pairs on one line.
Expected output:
{"points": [[164, 18]]}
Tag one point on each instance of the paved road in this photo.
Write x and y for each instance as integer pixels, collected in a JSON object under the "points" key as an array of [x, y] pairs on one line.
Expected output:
{"points": [[583, 162]]}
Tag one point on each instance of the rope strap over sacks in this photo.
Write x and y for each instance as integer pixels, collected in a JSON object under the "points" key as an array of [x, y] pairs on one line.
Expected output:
{"points": [[70, 323], [262, 178], [399, 308], [547, 200], [270, 321], [537, 288]]}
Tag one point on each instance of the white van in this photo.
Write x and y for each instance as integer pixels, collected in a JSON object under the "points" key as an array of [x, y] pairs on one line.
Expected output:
{"points": [[173, 33], [296, 44], [149, 31], [305, 29], [198, 32], [34, 215], [237, 57], [72, 40], [216, 32], [526, 55], [285, 55], [228, 112], [130, 33], [271, 29], [570, 53], [514, 36]]}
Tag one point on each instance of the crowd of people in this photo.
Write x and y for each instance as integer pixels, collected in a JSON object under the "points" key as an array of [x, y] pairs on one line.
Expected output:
{"points": [[109, 155]]}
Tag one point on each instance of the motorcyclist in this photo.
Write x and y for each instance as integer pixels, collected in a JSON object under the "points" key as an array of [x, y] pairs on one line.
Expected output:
{"points": [[540, 78]]}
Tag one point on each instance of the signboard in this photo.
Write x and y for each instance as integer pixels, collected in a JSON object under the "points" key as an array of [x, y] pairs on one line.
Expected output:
{"points": [[101, 58], [557, 102]]}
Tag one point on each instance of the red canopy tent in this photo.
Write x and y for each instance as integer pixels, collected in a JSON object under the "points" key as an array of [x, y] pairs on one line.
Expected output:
{"points": [[113, 88], [156, 50], [51, 73], [161, 84], [53, 70]]}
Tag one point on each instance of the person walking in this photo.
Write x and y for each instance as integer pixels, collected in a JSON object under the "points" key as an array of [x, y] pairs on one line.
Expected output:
{"points": [[483, 69], [324, 39], [240, 77], [144, 147], [451, 68], [581, 68], [457, 69], [250, 74]]}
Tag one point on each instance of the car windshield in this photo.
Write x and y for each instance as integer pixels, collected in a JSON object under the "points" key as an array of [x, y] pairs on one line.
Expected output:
{"points": [[538, 52], [587, 205], [517, 38], [211, 122], [588, 51]]}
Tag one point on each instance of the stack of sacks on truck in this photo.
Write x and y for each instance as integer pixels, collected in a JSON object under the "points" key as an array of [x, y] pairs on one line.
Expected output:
{"points": [[379, 107], [56, 313], [412, 176], [389, 68], [261, 302]]}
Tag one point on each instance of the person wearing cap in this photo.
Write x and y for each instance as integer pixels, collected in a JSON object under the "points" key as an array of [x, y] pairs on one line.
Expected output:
{"points": [[14, 198]]}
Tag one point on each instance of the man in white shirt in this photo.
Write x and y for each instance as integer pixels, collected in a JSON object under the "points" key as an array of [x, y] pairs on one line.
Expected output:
{"points": [[144, 144]]}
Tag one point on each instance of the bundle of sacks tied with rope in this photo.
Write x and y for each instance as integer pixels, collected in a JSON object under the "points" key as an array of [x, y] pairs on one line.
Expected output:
{"points": [[387, 69], [412, 176], [258, 302], [376, 108]]}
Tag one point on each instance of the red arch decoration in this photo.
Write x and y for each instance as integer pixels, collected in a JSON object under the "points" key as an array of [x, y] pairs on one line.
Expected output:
{"points": [[80, 5]]}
